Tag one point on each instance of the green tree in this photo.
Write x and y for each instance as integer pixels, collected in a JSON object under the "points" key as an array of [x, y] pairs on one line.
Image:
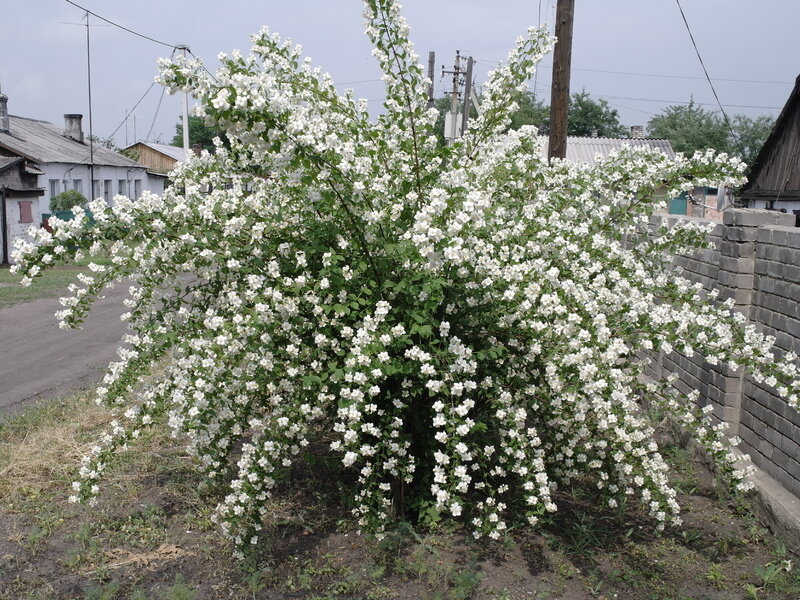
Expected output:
{"points": [[531, 111], [690, 128], [66, 200], [199, 133], [587, 115], [751, 133]]}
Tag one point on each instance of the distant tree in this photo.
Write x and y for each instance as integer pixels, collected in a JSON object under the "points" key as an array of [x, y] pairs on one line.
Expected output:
{"points": [[66, 200], [587, 115], [531, 111], [199, 133], [750, 135], [131, 153], [690, 128]]}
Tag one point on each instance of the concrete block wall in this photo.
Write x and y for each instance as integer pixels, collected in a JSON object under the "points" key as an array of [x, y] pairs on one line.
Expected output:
{"points": [[756, 261]]}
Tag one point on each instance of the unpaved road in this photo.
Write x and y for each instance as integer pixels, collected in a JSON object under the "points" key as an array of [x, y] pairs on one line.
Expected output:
{"points": [[40, 360]]}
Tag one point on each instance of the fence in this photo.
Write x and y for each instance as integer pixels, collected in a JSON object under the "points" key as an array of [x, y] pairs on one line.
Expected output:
{"points": [[755, 260]]}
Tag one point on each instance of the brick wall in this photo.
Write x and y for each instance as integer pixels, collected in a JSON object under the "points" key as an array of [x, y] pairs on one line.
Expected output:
{"points": [[756, 261]]}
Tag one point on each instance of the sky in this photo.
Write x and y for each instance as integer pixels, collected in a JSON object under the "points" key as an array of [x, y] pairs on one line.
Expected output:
{"points": [[636, 54]]}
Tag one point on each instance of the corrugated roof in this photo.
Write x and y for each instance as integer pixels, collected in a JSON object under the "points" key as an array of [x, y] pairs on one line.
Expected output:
{"points": [[175, 152], [587, 149], [43, 142]]}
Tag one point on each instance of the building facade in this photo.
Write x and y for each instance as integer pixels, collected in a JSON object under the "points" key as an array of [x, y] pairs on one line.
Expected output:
{"points": [[62, 159]]}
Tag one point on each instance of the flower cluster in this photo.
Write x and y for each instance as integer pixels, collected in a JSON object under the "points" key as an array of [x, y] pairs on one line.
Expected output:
{"points": [[466, 327]]}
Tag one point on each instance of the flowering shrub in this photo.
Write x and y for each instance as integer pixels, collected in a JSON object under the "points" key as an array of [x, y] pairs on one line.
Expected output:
{"points": [[467, 326]]}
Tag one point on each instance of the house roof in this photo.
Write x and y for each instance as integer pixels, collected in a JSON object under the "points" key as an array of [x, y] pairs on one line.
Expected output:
{"points": [[589, 149], [6, 162], [776, 169], [175, 152], [43, 142]]}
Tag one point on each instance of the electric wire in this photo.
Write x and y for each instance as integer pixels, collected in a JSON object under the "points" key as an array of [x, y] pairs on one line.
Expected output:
{"points": [[487, 62], [139, 101], [141, 35], [734, 137], [155, 116]]}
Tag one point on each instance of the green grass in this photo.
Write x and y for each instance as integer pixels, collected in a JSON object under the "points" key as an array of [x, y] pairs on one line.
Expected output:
{"points": [[51, 283]]}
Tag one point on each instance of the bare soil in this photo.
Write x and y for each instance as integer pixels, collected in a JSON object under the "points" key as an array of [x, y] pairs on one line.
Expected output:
{"points": [[151, 536]]}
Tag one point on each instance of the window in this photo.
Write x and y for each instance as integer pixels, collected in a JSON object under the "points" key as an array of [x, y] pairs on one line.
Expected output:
{"points": [[107, 191], [123, 187], [77, 185], [137, 188], [25, 212], [55, 188]]}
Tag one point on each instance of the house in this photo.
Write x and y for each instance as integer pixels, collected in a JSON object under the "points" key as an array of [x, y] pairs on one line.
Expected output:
{"points": [[774, 181], [18, 193], [158, 158], [59, 159]]}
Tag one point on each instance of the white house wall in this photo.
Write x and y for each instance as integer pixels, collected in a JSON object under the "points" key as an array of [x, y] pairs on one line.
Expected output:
{"points": [[66, 176], [14, 228]]}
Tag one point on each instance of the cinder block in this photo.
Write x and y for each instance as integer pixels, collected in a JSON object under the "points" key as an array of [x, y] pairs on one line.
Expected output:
{"points": [[792, 237], [780, 459], [786, 289], [765, 449], [785, 428], [793, 326], [764, 284], [737, 265], [790, 448], [764, 235], [774, 302], [775, 269], [774, 437], [793, 468], [788, 256], [792, 415], [754, 217], [728, 248], [784, 236]]}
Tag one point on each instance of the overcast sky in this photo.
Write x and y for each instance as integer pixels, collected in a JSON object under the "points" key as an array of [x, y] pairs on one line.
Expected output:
{"points": [[635, 53]]}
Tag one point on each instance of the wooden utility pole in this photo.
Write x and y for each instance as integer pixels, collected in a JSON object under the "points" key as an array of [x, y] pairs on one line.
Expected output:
{"points": [[431, 67], [453, 134], [559, 92], [467, 96]]}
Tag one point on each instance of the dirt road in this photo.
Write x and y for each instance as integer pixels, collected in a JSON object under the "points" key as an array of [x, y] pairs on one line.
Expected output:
{"points": [[39, 360]]}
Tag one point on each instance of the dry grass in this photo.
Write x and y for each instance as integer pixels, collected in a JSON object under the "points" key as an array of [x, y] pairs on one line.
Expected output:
{"points": [[151, 537], [40, 451]]}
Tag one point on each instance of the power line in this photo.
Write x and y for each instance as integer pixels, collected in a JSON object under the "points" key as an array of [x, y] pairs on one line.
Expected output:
{"points": [[155, 116], [690, 102], [131, 110], [681, 76], [607, 96], [657, 75], [355, 82], [710, 83], [141, 35]]}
